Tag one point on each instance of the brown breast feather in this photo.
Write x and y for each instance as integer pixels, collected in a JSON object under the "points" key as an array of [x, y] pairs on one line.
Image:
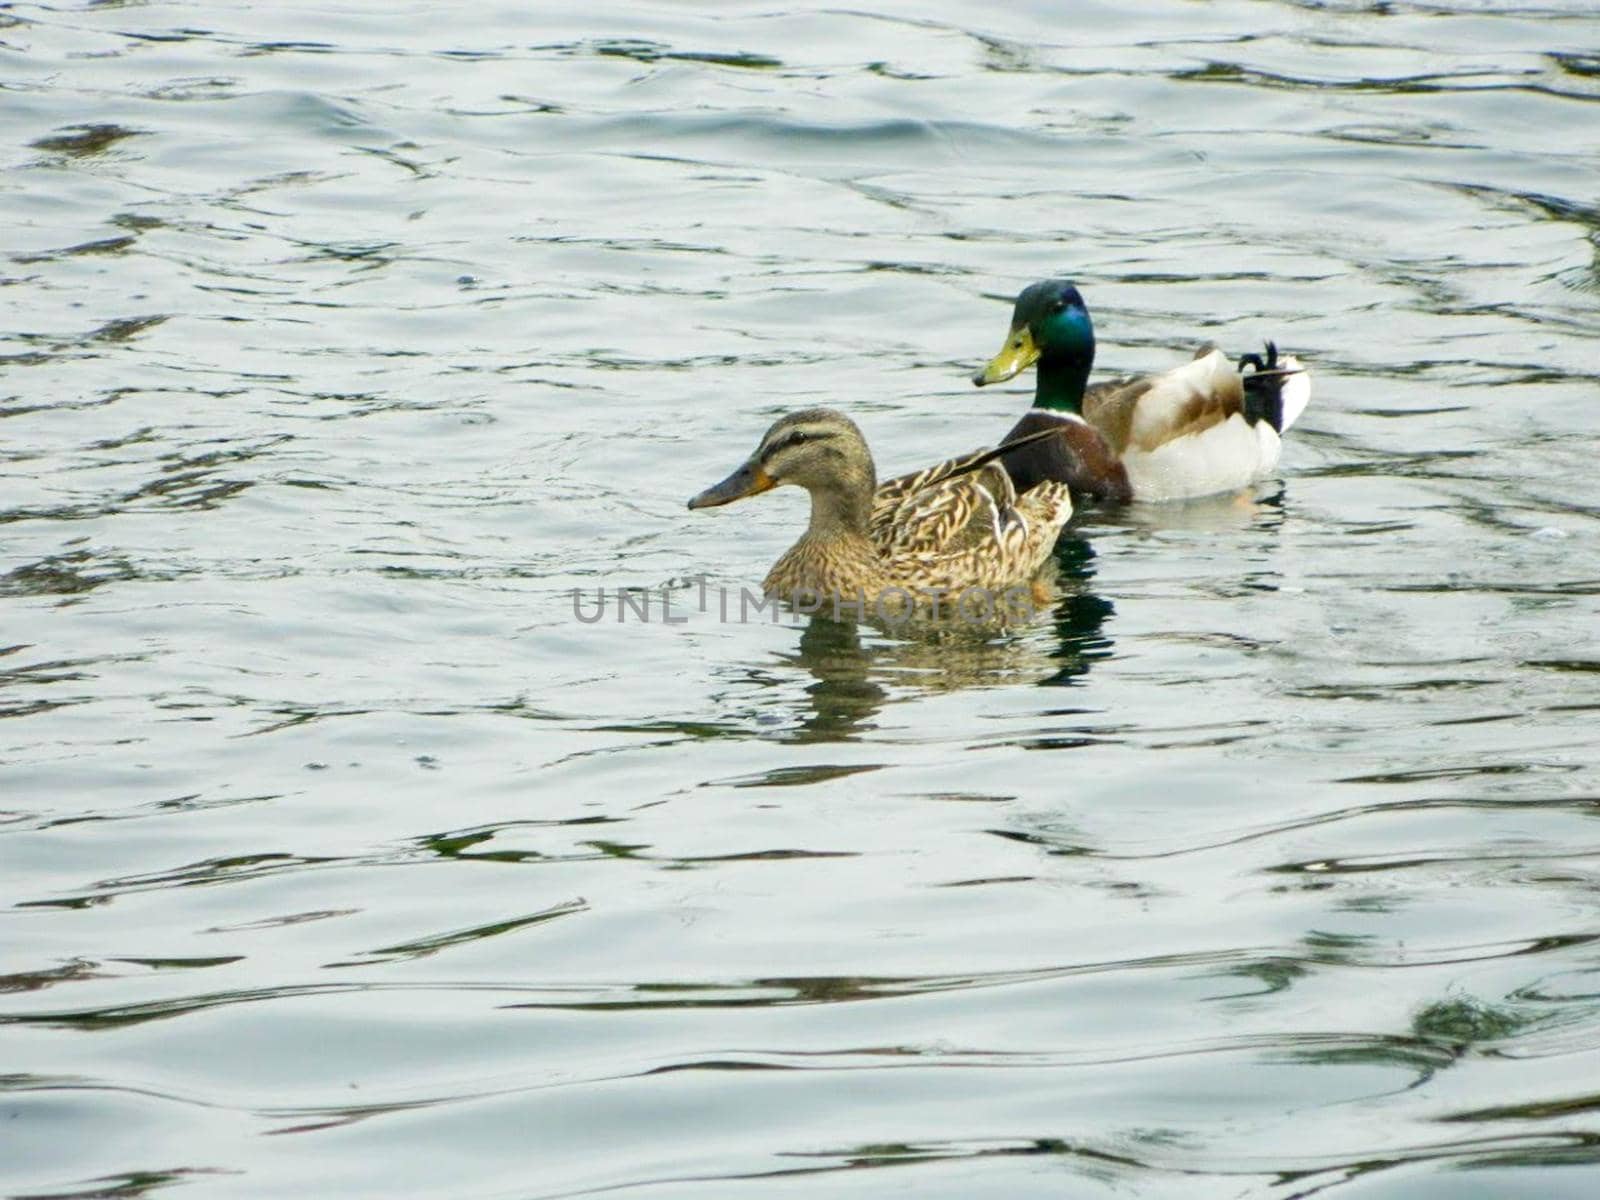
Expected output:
{"points": [[1079, 458]]}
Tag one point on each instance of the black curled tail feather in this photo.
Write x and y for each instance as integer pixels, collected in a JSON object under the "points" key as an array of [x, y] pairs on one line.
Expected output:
{"points": [[1263, 387]]}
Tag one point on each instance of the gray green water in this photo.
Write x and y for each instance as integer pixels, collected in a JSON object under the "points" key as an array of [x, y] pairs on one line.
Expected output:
{"points": [[337, 859]]}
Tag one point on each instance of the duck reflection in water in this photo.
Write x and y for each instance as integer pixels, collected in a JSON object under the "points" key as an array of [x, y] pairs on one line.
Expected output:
{"points": [[855, 673]]}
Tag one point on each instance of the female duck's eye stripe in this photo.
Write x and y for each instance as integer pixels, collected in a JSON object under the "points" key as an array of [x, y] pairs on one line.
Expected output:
{"points": [[795, 437]]}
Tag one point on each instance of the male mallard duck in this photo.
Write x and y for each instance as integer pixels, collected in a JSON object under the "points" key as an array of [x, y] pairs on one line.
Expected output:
{"points": [[1204, 427], [953, 527]]}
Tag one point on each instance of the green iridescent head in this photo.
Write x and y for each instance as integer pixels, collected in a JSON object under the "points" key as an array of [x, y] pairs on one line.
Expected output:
{"points": [[1050, 326]]}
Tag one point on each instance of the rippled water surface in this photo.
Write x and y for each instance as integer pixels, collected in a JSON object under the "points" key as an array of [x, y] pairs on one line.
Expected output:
{"points": [[337, 858]]}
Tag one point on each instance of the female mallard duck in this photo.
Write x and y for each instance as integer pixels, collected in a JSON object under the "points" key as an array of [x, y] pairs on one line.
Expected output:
{"points": [[1201, 428], [944, 531]]}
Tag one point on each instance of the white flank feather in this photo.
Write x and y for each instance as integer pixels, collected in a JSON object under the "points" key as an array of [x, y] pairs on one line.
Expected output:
{"points": [[1231, 455], [1222, 458]]}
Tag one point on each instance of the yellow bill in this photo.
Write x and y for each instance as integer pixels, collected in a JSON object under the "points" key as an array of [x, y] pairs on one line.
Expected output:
{"points": [[1019, 353]]}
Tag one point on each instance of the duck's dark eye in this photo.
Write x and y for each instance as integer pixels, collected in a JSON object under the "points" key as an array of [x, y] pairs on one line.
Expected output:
{"points": [[798, 436], [1059, 306]]}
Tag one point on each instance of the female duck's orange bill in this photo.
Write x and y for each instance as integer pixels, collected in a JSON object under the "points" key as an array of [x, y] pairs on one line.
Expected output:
{"points": [[751, 479]]}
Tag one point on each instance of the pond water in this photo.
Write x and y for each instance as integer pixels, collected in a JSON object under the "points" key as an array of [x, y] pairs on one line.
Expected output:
{"points": [[339, 858]]}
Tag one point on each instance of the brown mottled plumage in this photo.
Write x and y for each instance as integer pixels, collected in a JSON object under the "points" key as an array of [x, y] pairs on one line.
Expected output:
{"points": [[955, 526]]}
